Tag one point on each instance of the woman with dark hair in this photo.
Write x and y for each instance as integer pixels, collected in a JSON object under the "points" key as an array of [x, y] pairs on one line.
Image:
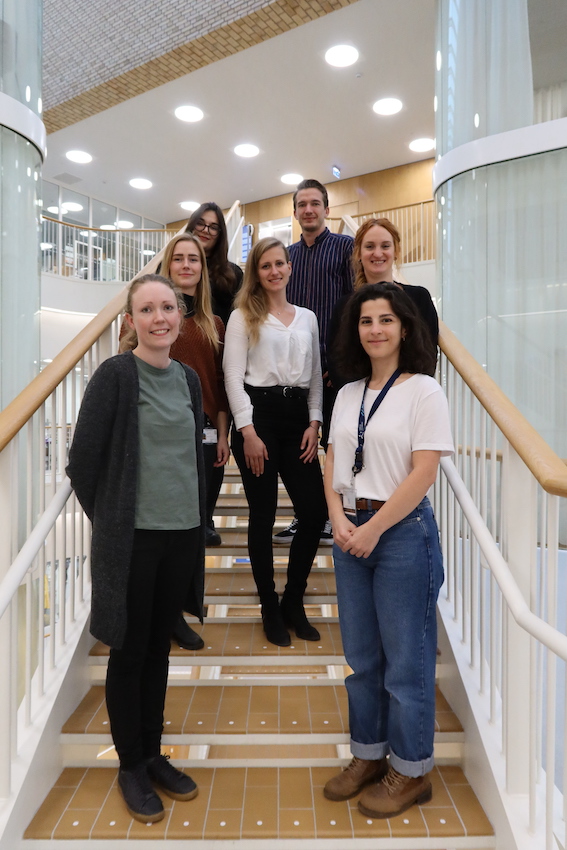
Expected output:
{"points": [[272, 368], [389, 429], [377, 249], [136, 465], [209, 226]]}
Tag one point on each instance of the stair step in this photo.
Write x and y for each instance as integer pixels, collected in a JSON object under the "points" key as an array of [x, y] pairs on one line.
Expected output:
{"points": [[235, 543], [235, 504], [268, 804], [243, 639], [236, 585]]}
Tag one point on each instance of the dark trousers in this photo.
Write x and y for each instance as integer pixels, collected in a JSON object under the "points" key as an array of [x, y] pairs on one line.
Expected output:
{"points": [[213, 479], [161, 569], [281, 422]]}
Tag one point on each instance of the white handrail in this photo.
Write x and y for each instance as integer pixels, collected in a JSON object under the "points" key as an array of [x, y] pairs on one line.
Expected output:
{"points": [[533, 624], [231, 212], [236, 232], [33, 544]]}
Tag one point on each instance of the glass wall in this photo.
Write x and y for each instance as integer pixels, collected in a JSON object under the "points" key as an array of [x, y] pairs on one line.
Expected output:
{"points": [[504, 280], [20, 56]]}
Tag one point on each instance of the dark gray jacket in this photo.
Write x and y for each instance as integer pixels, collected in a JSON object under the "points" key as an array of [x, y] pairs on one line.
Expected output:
{"points": [[103, 468]]}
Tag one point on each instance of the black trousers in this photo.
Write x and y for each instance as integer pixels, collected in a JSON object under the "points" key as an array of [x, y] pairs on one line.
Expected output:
{"points": [[281, 422], [161, 569], [213, 479]]}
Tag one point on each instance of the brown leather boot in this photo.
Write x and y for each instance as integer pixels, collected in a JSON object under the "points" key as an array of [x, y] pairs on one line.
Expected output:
{"points": [[350, 781], [394, 794]]}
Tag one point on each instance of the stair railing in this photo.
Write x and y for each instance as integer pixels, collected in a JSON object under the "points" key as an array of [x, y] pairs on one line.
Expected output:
{"points": [[502, 510]]}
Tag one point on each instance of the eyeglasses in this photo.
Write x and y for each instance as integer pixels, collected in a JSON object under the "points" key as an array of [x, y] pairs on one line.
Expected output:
{"points": [[201, 225]]}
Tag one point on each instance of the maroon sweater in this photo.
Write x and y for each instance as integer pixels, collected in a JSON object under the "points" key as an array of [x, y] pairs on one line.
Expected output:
{"points": [[194, 349]]}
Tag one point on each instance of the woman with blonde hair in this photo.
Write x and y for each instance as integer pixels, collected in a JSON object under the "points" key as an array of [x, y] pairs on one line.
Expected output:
{"points": [[136, 465], [199, 345], [377, 249], [273, 380]]}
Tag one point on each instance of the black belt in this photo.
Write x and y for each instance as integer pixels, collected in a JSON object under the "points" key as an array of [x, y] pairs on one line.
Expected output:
{"points": [[286, 392]]}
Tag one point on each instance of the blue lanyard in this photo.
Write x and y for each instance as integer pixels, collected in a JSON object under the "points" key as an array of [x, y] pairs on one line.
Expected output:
{"points": [[358, 465]]}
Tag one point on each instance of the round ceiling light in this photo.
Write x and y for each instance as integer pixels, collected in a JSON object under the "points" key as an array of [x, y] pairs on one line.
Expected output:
{"points": [[387, 106], [45, 246], [422, 145], [140, 183], [124, 225], [189, 113], [341, 55], [53, 210], [108, 227], [291, 179], [148, 253], [246, 150], [70, 206], [79, 156], [191, 206]]}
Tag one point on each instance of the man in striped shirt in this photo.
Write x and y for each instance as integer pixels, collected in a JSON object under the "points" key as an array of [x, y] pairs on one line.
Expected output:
{"points": [[321, 273]]}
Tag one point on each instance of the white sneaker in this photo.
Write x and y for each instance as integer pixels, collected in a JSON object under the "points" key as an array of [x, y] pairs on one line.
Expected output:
{"points": [[327, 534]]}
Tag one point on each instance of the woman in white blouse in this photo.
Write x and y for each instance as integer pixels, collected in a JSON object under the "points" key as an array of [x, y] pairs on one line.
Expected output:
{"points": [[272, 371]]}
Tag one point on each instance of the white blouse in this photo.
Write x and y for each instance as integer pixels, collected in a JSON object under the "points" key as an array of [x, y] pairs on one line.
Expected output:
{"points": [[283, 356]]}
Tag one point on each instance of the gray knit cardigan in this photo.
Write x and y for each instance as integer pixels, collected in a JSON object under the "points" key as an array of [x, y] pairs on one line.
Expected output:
{"points": [[103, 468]]}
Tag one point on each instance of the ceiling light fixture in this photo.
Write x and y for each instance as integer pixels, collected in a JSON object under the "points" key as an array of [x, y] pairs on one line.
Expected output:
{"points": [[387, 106], [70, 206], [341, 55], [108, 227], [81, 157], [246, 150], [45, 246], [124, 225], [148, 253], [422, 145], [189, 113], [191, 206], [291, 179], [140, 183], [53, 210]]}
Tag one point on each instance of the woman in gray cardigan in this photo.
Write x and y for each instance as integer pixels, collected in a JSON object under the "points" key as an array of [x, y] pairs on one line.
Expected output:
{"points": [[136, 465]]}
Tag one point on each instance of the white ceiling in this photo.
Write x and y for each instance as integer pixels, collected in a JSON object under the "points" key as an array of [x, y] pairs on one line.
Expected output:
{"points": [[281, 95]]}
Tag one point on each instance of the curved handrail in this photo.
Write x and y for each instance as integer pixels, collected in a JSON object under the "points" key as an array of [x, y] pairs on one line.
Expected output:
{"points": [[231, 212], [534, 625], [16, 414], [104, 230], [548, 469]]}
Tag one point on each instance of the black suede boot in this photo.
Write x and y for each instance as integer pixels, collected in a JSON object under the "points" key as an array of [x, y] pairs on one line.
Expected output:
{"points": [[273, 623], [184, 635], [293, 614]]}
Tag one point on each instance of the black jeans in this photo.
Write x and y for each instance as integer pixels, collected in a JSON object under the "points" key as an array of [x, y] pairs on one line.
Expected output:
{"points": [[281, 422], [161, 569]]}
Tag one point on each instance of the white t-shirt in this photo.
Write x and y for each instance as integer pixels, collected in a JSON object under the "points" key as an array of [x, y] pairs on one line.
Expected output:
{"points": [[413, 416], [283, 356]]}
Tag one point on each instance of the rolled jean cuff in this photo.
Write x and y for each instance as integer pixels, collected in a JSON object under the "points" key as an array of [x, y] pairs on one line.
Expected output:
{"points": [[370, 752], [410, 768]]}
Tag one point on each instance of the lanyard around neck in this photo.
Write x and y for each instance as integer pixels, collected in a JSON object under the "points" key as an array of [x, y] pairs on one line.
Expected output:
{"points": [[362, 424]]}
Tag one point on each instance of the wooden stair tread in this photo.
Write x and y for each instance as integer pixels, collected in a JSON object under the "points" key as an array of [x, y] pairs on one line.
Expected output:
{"points": [[269, 803]]}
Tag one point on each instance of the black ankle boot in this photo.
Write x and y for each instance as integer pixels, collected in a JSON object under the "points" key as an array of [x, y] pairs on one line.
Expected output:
{"points": [[184, 635], [293, 614], [273, 623]]}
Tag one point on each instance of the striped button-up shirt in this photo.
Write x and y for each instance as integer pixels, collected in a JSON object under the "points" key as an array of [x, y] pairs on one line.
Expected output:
{"points": [[321, 274]]}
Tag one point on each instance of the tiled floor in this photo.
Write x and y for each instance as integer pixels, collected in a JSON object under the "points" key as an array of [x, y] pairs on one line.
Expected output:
{"points": [[236, 710], [238, 803]]}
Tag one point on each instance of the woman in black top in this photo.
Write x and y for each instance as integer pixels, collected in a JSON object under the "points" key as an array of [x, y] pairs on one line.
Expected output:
{"points": [[208, 224], [376, 249]]}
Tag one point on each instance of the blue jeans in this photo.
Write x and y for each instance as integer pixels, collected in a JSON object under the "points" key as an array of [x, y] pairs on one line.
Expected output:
{"points": [[387, 612]]}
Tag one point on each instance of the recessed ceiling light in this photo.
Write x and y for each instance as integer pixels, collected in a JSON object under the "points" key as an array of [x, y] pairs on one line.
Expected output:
{"points": [[387, 106], [124, 225], [189, 113], [422, 145], [148, 253], [108, 227], [246, 150], [45, 246], [70, 206], [84, 233], [190, 205], [79, 156], [140, 183], [341, 55], [291, 179], [53, 210]]}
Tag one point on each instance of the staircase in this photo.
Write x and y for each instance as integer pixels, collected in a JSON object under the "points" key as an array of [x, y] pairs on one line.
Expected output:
{"points": [[260, 728]]}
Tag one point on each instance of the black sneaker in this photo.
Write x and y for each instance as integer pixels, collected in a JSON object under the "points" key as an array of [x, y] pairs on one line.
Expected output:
{"points": [[327, 534], [287, 534], [173, 782], [141, 800]]}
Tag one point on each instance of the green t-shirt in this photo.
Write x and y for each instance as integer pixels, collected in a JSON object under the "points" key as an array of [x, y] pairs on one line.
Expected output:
{"points": [[167, 496]]}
